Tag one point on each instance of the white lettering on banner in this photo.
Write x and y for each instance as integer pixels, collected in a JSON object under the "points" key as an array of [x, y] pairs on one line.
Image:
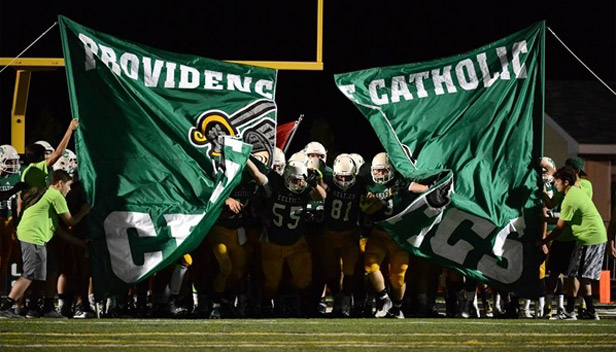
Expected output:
{"points": [[151, 74], [170, 80], [458, 251], [430, 212], [235, 81], [438, 79], [376, 99], [116, 227], [488, 265], [395, 89], [419, 78], [468, 67], [182, 224], [130, 65], [519, 69], [189, 77], [348, 90], [262, 85], [108, 57], [513, 252], [508, 249], [212, 80], [91, 49], [488, 78], [502, 56], [399, 88]]}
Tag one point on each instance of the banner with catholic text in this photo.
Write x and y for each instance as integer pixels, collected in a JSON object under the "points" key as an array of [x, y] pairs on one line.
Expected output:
{"points": [[480, 116], [163, 139]]}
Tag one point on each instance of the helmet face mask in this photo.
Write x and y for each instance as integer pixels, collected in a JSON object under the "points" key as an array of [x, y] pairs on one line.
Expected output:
{"points": [[344, 172], [9, 159], [382, 171], [294, 176]]}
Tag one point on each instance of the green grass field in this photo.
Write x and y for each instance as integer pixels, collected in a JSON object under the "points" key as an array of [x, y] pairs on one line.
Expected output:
{"points": [[306, 335]]}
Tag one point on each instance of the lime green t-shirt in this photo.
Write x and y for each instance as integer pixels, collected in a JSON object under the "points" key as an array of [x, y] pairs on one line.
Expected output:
{"points": [[40, 221], [35, 175], [586, 186], [583, 217]]}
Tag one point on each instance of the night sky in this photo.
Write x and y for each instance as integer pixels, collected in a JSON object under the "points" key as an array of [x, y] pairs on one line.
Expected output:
{"points": [[357, 35]]}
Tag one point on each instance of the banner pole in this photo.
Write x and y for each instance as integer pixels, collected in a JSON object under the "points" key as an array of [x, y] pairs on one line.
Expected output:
{"points": [[299, 120]]}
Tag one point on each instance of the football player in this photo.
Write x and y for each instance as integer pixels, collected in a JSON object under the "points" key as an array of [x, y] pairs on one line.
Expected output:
{"points": [[385, 191], [283, 240], [316, 150], [278, 161], [49, 150], [9, 186], [67, 162], [226, 240], [342, 231]]}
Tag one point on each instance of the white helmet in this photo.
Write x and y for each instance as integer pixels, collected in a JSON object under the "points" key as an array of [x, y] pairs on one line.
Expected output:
{"points": [[301, 157], [381, 169], [294, 176], [48, 148], [316, 148], [279, 161], [358, 159], [9, 159], [67, 162], [344, 171]]}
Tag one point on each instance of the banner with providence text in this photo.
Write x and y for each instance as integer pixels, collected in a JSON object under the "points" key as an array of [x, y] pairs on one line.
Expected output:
{"points": [[480, 116], [153, 157]]}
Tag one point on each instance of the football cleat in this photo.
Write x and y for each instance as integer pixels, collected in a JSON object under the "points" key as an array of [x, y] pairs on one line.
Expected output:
{"points": [[383, 305]]}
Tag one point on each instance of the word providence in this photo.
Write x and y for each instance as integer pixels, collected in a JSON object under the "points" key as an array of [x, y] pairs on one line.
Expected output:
{"points": [[393, 90], [190, 78]]}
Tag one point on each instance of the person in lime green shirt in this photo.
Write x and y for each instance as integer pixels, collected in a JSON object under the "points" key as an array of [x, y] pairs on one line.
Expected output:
{"points": [[577, 164], [36, 228], [35, 174], [580, 214]]}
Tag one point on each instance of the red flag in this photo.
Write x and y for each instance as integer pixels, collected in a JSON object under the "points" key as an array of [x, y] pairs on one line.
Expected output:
{"points": [[283, 132]]}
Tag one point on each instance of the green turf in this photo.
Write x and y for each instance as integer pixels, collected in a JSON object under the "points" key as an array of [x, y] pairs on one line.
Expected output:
{"points": [[307, 335]]}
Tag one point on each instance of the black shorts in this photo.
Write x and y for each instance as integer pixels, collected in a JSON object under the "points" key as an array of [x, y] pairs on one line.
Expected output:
{"points": [[559, 257]]}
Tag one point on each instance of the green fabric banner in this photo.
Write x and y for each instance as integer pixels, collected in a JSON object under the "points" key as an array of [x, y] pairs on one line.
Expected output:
{"points": [[153, 157], [479, 115]]}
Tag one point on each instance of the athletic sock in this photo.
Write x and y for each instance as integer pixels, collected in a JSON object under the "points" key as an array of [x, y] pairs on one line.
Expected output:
{"points": [[382, 295], [561, 301], [7, 303], [570, 304], [590, 306]]}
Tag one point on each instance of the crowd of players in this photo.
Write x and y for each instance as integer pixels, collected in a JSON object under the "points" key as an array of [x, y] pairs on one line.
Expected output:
{"points": [[288, 239]]}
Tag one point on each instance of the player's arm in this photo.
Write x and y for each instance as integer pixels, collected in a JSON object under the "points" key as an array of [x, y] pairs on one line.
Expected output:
{"points": [[315, 180], [70, 238], [560, 227], [234, 205], [63, 143], [71, 220], [256, 175], [19, 186], [415, 187]]}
